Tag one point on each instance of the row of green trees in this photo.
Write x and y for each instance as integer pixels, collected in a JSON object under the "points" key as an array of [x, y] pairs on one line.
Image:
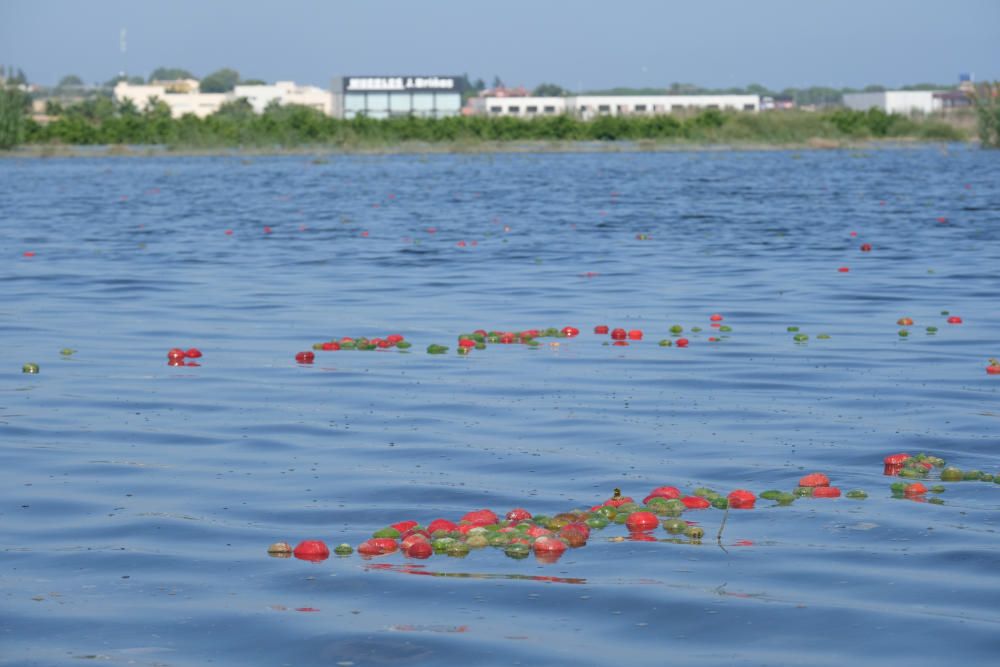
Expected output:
{"points": [[236, 125]]}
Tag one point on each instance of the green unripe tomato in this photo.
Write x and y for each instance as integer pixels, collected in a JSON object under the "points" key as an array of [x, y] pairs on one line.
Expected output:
{"points": [[675, 526], [951, 475]]}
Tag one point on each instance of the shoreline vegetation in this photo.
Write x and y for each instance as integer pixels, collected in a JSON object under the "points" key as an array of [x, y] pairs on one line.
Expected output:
{"points": [[123, 130]]}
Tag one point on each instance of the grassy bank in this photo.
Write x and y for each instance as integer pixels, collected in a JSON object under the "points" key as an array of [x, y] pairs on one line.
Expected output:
{"points": [[292, 127]]}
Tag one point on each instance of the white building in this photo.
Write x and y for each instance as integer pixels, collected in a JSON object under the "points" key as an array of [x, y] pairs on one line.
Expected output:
{"points": [[894, 101], [199, 104], [590, 106], [205, 104], [286, 92]]}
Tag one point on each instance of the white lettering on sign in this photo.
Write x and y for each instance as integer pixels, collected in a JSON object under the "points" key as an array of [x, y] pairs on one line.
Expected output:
{"points": [[400, 83]]}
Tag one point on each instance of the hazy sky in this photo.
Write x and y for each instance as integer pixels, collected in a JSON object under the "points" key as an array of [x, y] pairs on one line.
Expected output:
{"points": [[578, 44]]}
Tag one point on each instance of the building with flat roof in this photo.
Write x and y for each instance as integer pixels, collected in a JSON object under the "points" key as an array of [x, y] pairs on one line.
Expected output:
{"points": [[894, 101], [591, 106], [386, 96], [285, 92]]}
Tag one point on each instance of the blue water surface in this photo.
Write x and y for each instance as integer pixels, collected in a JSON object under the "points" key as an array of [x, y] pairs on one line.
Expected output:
{"points": [[137, 500]]}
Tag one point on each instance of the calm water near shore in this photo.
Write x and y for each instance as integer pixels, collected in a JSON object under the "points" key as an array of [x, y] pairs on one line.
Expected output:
{"points": [[138, 499]]}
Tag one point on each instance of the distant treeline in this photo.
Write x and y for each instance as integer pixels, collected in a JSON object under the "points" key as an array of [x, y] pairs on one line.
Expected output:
{"points": [[100, 121]]}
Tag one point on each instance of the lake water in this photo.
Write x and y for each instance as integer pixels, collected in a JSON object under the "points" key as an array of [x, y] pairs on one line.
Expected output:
{"points": [[138, 499]]}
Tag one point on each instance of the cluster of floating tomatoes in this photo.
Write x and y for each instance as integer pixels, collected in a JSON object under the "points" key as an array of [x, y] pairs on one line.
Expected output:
{"points": [[519, 533], [177, 356], [349, 343], [919, 467]]}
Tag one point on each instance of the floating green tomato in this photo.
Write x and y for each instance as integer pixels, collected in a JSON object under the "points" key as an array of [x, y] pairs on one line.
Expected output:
{"points": [[951, 475], [770, 494], [971, 475], [317, 346], [931, 330], [695, 532], [457, 550], [696, 329], [499, 539], [800, 338], [985, 477], [663, 343], [67, 351], [703, 492], [343, 550], [786, 498], [857, 494], [936, 501], [517, 551], [897, 487], [441, 544], [720, 502], [676, 329], [823, 336], [792, 329], [404, 345], [388, 531], [477, 541], [903, 333], [437, 349], [675, 526], [937, 488], [803, 491], [725, 328], [30, 368], [597, 522]]}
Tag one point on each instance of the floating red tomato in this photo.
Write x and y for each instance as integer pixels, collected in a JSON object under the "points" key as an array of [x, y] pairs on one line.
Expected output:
{"points": [[404, 526], [635, 334], [601, 329], [954, 319], [914, 489], [815, 479], [993, 370], [331, 346], [305, 357], [641, 521], [314, 550], [618, 334], [621, 343], [518, 514], [441, 524], [480, 518], [894, 463], [421, 550], [549, 544], [715, 317], [394, 338], [668, 492], [538, 531], [695, 502], [826, 492], [741, 499], [193, 353], [682, 342], [844, 269], [866, 247], [618, 501], [176, 354], [569, 332]]}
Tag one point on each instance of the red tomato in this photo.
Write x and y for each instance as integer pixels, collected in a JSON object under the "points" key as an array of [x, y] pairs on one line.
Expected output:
{"points": [[635, 334], [441, 524], [815, 479], [314, 550], [404, 526], [843, 269], [193, 353], [305, 357], [866, 247], [569, 332], [915, 489], [518, 514], [695, 502], [331, 346], [741, 499], [176, 354], [421, 550], [826, 492], [621, 343], [538, 531], [715, 318], [954, 319], [641, 521], [507, 338], [601, 329], [467, 342], [481, 518], [394, 338], [993, 370], [617, 502], [682, 342], [618, 334], [549, 544], [668, 492]]}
